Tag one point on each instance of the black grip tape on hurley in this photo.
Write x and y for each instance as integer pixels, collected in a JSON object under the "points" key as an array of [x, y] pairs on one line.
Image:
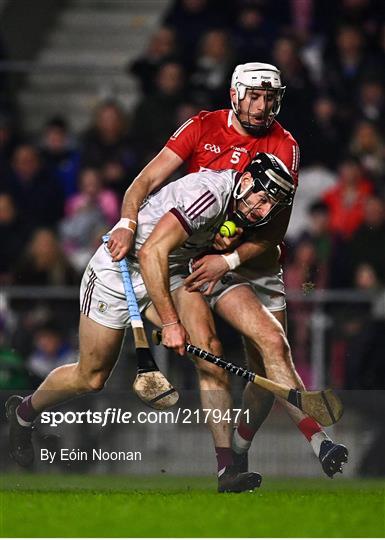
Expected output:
{"points": [[295, 398], [145, 360]]}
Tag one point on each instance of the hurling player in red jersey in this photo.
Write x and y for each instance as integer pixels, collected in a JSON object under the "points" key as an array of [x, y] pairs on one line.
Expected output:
{"points": [[219, 140]]}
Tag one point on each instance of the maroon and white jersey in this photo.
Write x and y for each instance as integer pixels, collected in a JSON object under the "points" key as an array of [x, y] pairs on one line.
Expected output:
{"points": [[200, 201], [209, 141]]}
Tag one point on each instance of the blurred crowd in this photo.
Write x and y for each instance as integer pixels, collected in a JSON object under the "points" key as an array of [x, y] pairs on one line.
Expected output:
{"points": [[60, 190]]}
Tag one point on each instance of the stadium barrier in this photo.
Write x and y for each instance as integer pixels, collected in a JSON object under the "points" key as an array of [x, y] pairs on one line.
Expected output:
{"points": [[181, 443]]}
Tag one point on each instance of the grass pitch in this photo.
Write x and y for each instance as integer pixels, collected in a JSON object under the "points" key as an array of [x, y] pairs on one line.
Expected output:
{"points": [[108, 506]]}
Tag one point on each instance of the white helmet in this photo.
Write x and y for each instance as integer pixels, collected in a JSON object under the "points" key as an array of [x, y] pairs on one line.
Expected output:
{"points": [[256, 75]]}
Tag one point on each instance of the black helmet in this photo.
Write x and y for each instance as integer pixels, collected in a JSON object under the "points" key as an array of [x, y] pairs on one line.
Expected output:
{"points": [[271, 175]]}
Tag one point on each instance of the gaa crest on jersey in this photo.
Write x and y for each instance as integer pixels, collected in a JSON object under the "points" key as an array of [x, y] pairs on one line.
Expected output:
{"points": [[102, 306], [212, 148]]}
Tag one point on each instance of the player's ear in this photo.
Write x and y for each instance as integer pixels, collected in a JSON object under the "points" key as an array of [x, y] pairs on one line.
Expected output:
{"points": [[246, 180]]}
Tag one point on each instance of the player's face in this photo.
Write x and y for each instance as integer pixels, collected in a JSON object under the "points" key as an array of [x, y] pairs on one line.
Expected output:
{"points": [[256, 206], [256, 106]]}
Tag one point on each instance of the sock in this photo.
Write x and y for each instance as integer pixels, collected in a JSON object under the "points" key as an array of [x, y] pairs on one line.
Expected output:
{"points": [[313, 432], [242, 438], [25, 413], [317, 440], [224, 458]]}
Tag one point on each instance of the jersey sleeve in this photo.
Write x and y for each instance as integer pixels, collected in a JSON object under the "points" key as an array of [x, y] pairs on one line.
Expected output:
{"points": [[288, 152], [197, 206], [185, 139]]}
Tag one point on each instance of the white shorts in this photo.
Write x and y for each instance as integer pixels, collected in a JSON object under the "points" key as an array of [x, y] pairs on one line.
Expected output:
{"points": [[269, 289], [102, 296]]}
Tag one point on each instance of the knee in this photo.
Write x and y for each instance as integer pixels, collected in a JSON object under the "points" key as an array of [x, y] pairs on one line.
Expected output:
{"points": [[208, 341], [211, 377], [208, 373], [276, 344], [97, 381], [93, 381]]}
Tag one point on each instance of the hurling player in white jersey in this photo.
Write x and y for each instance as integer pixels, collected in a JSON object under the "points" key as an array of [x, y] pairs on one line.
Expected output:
{"points": [[174, 225], [234, 136]]}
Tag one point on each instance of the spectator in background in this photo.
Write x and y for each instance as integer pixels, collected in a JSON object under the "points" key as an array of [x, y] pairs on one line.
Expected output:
{"points": [[185, 111], [367, 244], [106, 145], [213, 66], [318, 234], [12, 370], [60, 154], [304, 273], [253, 33], [13, 375], [13, 234], [44, 263], [88, 215], [363, 330], [7, 94], [38, 195], [161, 48], [346, 66], [8, 141], [330, 249], [314, 182], [295, 116], [327, 134], [366, 14], [367, 146], [347, 199], [304, 19], [366, 278], [191, 19], [371, 102], [50, 350], [155, 116], [93, 194]]}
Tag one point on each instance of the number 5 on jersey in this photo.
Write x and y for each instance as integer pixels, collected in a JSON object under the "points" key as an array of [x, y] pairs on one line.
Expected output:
{"points": [[235, 157]]}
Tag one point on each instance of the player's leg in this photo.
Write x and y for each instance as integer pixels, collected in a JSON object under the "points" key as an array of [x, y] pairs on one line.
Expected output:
{"points": [[265, 334], [242, 310], [214, 383], [256, 406], [99, 350], [215, 388], [331, 455], [197, 318]]}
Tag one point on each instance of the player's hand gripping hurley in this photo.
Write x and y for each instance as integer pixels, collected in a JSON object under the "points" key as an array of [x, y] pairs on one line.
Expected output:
{"points": [[150, 385], [324, 406]]}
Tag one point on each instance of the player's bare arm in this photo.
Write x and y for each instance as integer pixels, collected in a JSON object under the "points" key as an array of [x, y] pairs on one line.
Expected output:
{"points": [[149, 179], [211, 268], [153, 259]]}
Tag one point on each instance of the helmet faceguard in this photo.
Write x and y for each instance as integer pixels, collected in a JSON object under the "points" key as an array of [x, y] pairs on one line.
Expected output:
{"points": [[261, 77], [270, 175]]}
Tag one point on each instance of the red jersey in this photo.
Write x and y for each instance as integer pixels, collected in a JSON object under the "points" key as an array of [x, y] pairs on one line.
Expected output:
{"points": [[209, 141], [347, 210]]}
